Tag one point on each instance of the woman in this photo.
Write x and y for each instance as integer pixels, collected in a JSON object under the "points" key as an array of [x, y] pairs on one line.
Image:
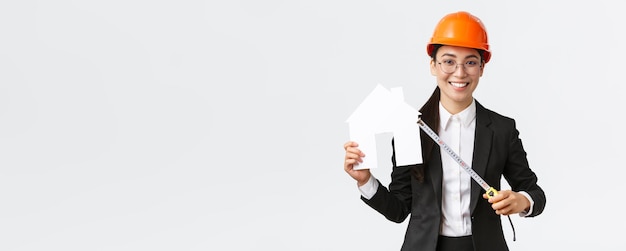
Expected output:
{"points": [[448, 210]]}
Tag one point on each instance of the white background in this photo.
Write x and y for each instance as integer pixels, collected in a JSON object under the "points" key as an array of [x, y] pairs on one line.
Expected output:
{"points": [[204, 125]]}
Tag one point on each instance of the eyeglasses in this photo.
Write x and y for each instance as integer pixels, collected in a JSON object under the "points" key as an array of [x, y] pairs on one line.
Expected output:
{"points": [[449, 66]]}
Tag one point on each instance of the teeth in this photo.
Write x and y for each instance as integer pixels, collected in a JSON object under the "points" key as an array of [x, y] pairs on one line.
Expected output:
{"points": [[459, 84]]}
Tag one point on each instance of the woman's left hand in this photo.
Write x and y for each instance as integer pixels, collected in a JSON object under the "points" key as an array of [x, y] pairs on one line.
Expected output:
{"points": [[508, 202]]}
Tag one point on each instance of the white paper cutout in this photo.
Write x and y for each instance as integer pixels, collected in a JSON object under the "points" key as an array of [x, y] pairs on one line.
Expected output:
{"points": [[385, 111]]}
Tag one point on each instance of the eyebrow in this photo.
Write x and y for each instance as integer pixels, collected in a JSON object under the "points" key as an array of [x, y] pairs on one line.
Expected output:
{"points": [[454, 56]]}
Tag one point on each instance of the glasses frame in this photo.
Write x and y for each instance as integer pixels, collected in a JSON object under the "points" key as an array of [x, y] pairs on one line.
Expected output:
{"points": [[456, 67]]}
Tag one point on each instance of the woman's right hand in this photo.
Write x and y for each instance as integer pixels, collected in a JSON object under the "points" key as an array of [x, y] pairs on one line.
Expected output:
{"points": [[354, 156]]}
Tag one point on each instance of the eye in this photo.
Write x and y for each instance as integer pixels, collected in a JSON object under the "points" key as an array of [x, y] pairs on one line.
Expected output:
{"points": [[448, 62], [471, 63]]}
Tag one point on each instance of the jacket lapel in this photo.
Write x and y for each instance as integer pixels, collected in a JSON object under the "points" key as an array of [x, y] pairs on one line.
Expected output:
{"points": [[482, 146]]}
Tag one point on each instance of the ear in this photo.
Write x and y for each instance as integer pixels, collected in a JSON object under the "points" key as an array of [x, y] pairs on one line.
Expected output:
{"points": [[482, 69], [433, 67]]}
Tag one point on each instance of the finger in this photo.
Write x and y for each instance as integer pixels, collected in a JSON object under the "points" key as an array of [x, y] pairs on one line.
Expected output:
{"points": [[505, 211], [352, 161], [498, 206], [501, 202], [505, 206], [353, 156], [498, 197], [350, 144], [350, 168], [355, 151], [349, 165]]}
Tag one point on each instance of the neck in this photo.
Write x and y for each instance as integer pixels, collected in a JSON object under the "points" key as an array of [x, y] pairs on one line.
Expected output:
{"points": [[455, 107]]}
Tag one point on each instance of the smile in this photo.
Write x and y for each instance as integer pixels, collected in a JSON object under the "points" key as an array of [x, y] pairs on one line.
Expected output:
{"points": [[459, 84]]}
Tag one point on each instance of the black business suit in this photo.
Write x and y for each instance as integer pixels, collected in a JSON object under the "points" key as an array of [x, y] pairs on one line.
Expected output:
{"points": [[497, 152]]}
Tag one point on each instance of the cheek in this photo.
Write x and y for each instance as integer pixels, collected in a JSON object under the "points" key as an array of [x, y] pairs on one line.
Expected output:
{"points": [[442, 81]]}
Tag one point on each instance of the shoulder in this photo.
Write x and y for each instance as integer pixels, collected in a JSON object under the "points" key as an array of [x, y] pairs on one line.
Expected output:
{"points": [[489, 116]]}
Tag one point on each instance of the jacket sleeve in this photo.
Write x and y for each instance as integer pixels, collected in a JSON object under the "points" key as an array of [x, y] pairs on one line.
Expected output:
{"points": [[394, 203], [519, 175]]}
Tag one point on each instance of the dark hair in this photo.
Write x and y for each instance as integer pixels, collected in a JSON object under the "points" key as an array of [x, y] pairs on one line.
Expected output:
{"points": [[436, 47], [430, 115]]}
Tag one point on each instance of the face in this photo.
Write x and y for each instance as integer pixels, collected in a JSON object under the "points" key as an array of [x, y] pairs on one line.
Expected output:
{"points": [[458, 83]]}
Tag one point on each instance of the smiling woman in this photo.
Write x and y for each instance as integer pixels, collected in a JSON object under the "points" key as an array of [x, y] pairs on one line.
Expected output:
{"points": [[448, 211], [457, 84], [216, 125]]}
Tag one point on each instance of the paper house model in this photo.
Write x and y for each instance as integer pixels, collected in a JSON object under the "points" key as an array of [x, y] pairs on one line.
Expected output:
{"points": [[385, 111]]}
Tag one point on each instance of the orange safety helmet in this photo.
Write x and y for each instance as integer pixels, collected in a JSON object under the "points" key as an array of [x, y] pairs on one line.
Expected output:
{"points": [[460, 29]]}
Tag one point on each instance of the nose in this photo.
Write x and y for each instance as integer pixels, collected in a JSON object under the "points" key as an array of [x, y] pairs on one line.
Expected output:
{"points": [[460, 70]]}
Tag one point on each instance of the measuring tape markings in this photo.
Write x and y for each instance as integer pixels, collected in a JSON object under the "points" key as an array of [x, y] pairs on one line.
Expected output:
{"points": [[489, 189]]}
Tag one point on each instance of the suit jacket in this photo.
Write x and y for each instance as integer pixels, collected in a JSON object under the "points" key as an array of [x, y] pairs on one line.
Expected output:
{"points": [[498, 152]]}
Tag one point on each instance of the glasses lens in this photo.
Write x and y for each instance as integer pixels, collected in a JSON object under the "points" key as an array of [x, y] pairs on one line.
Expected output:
{"points": [[471, 67], [449, 67]]}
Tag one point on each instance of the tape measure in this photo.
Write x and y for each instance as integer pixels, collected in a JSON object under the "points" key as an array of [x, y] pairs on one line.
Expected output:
{"points": [[490, 191]]}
